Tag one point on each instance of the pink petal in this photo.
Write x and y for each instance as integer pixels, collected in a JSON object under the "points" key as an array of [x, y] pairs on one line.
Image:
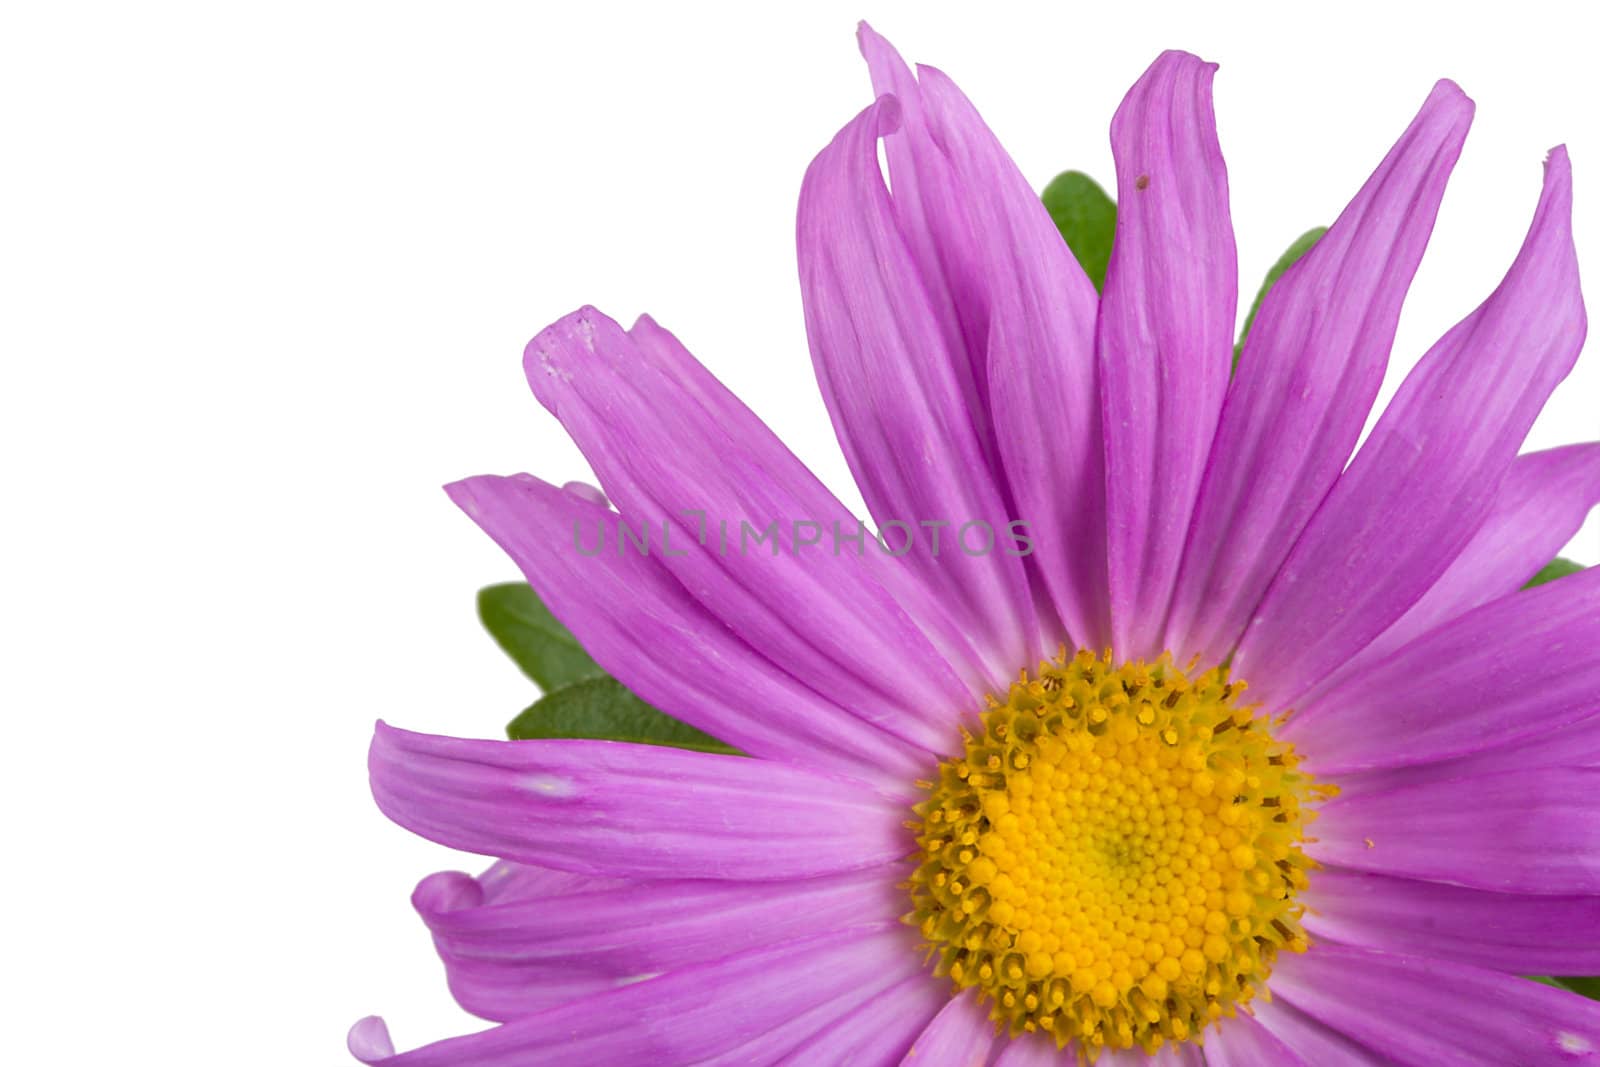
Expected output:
{"points": [[1244, 1042], [1426, 478], [1033, 1050], [696, 1015], [934, 214], [1310, 370], [668, 460], [961, 1035], [1525, 831], [644, 627], [1576, 745], [1165, 336], [496, 989], [1508, 671], [1542, 503], [1423, 1013], [1315, 1044], [507, 883], [878, 1030], [510, 959], [1021, 309], [1030, 1050], [889, 378], [665, 352], [639, 811], [368, 1040], [1500, 931]]}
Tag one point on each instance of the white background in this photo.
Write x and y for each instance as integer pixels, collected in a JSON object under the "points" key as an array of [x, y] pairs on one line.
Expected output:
{"points": [[267, 275]]}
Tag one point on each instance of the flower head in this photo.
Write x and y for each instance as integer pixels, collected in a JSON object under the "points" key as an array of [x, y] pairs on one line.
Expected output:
{"points": [[1199, 742]]}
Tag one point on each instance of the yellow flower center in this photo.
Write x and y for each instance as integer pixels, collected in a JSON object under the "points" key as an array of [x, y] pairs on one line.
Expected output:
{"points": [[1114, 860]]}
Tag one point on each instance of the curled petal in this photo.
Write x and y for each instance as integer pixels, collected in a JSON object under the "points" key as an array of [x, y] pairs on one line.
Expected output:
{"points": [[1026, 310], [685, 1016], [890, 380]]}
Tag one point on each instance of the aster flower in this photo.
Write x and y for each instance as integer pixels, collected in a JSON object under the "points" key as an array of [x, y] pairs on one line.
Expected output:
{"points": [[1257, 757]]}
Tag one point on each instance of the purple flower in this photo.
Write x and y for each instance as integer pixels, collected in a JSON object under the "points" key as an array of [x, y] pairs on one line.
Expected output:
{"points": [[1015, 808]]}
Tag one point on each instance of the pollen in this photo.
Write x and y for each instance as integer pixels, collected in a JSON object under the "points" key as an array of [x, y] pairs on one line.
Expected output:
{"points": [[1115, 859]]}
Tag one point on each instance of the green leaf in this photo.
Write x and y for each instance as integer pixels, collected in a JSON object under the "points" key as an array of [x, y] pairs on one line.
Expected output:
{"points": [[603, 708], [1301, 246], [1086, 217], [521, 625], [1588, 987], [580, 699], [1556, 568]]}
